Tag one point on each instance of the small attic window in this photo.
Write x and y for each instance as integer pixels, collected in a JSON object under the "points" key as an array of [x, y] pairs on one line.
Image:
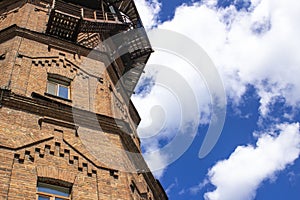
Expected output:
{"points": [[58, 86]]}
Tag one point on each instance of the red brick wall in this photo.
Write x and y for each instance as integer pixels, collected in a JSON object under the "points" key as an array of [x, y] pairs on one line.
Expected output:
{"points": [[34, 145]]}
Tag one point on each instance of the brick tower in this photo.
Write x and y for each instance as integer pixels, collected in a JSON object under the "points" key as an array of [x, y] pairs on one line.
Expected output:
{"points": [[67, 125]]}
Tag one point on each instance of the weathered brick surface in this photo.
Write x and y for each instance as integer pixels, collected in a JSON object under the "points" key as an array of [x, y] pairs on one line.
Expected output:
{"points": [[40, 137], [30, 69], [24, 15], [6, 160]]}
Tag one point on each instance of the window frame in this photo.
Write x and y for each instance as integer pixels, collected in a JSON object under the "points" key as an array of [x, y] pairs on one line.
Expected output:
{"points": [[52, 185], [51, 196], [58, 82]]}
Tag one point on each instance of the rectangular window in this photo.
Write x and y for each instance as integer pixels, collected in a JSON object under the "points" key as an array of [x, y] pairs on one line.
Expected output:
{"points": [[47, 191], [58, 86]]}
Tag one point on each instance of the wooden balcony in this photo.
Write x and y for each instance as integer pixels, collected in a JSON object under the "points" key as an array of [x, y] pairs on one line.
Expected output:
{"points": [[85, 26], [68, 20]]}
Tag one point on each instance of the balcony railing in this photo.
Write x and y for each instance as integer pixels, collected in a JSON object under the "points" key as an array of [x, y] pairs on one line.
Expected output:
{"points": [[86, 26], [89, 14]]}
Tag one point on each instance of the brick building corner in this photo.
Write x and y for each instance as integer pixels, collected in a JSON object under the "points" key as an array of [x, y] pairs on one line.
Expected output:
{"points": [[67, 125]]}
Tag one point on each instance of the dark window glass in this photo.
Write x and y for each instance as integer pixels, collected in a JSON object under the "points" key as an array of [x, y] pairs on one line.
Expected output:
{"points": [[43, 198], [53, 189]]}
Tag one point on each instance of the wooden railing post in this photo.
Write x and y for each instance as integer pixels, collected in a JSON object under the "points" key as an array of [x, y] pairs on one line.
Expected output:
{"points": [[53, 4]]}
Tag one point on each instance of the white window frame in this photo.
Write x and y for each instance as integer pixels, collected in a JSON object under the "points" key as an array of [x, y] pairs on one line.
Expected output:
{"points": [[58, 81]]}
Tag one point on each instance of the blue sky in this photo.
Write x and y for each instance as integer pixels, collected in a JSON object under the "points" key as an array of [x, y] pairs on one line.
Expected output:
{"points": [[254, 47]]}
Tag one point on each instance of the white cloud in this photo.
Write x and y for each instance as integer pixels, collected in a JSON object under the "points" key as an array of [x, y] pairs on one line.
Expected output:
{"points": [[196, 189], [172, 186], [210, 3], [258, 48], [173, 108], [248, 166], [149, 12], [248, 47], [181, 192], [155, 161]]}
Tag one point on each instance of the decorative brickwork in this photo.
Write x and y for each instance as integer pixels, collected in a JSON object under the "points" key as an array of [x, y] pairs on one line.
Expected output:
{"points": [[59, 150]]}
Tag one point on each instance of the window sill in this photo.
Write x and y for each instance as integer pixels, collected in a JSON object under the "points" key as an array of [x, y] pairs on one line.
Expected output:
{"points": [[57, 97]]}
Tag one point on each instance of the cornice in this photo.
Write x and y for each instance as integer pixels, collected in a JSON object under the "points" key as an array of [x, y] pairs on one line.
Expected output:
{"points": [[60, 114], [46, 107]]}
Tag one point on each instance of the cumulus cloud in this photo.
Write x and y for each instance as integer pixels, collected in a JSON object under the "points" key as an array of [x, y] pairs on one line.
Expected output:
{"points": [[149, 12], [238, 177], [256, 46], [170, 114], [155, 161]]}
